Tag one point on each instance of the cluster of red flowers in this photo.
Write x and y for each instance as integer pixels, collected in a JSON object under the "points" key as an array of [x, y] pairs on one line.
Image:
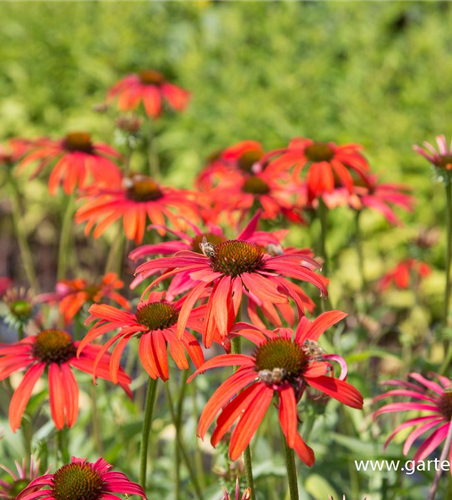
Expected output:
{"points": [[210, 280]]}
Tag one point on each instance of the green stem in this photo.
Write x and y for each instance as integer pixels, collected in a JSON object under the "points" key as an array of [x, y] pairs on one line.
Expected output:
{"points": [[186, 458], [62, 448], [236, 348], [291, 471], [198, 453], [447, 342], [21, 234], [359, 251], [177, 424], [154, 165], [323, 218], [96, 421], [65, 237], [116, 254], [147, 424]]}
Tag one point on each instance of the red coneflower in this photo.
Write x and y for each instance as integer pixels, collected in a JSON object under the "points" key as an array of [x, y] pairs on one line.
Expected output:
{"points": [[149, 87], [82, 480], [432, 398], [283, 364], [261, 191], [325, 161], [20, 480], [373, 195], [269, 242], [226, 271], [79, 162], [244, 157], [72, 295], [13, 151], [52, 351], [404, 272], [154, 323], [136, 201]]}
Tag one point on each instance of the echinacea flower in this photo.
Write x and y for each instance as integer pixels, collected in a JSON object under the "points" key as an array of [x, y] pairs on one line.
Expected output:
{"points": [[72, 295], [373, 195], [154, 323], [19, 480], [151, 88], [213, 235], [53, 352], [241, 158], [324, 161], [228, 270], [19, 306], [262, 191], [136, 201], [283, 364], [404, 273], [78, 162], [433, 399], [82, 480], [441, 159], [246, 494]]}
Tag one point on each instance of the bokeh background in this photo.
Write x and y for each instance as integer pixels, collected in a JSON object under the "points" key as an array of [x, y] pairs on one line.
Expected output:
{"points": [[375, 73]]}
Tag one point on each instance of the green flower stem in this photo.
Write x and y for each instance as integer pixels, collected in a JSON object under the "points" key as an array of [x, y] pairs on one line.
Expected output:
{"points": [[147, 424], [116, 253], [177, 424], [447, 342], [63, 452], [96, 422], [19, 228], [444, 454], [198, 453], [291, 470], [154, 164], [359, 250], [236, 348], [322, 213], [183, 452], [65, 237]]}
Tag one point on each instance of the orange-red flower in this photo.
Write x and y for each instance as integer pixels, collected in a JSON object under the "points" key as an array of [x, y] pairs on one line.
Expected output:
{"points": [[78, 162], [72, 295], [262, 191], [154, 323], [82, 480], [53, 352], [228, 270], [324, 161], [404, 272], [13, 151], [244, 157], [284, 364], [151, 88], [139, 199]]}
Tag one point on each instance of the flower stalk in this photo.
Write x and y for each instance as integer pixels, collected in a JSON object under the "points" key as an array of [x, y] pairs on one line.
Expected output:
{"points": [[24, 247], [147, 424], [291, 470], [65, 238]]}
